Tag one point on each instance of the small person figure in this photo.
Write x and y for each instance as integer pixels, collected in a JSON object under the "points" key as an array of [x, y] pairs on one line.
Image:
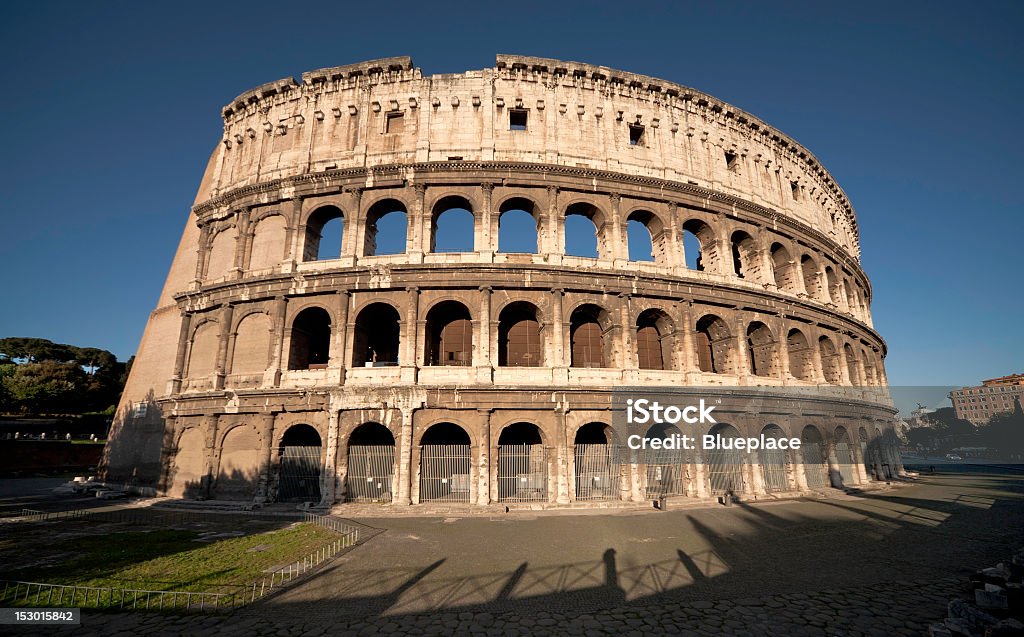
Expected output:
{"points": [[68, 437]]}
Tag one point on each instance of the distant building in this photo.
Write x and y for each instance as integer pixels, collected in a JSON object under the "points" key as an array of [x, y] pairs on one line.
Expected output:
{"points": [[993, 396]]}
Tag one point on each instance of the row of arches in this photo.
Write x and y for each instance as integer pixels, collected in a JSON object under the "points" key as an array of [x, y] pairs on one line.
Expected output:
{"points": [[696, 241], [524, 465]]}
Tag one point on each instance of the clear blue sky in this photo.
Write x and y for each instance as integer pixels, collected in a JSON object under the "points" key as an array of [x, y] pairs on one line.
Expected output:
{"points": [[110, 111]]}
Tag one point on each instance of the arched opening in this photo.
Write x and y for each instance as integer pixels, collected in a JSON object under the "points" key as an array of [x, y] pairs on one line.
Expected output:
{"points": [[221, 257], [268, 243], [386, 228], [519, 343], [809, 270], [646, 237], [775, 463], [666, 468], [239, 466], [870, 378], [517, 226], [581, 231], [725, 463], [801, 359], [311, 339], [371, 463], [324, 231], [866, 453], [761, 350], [784, 269], [252, 344], [376, 338], [812, 451], [299, 477], [444, 464], [202, 352], [844, 458], [587, 337], [452, 225], [596, 474], [522, 464], [851, 365], [830, 363], [714, 349], [654, 340], [449, 335], [698, 240], [835, 290], [744, 255]]}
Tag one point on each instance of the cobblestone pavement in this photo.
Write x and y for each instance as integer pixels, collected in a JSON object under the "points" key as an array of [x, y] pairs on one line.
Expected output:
{"points": [[877, 564]]}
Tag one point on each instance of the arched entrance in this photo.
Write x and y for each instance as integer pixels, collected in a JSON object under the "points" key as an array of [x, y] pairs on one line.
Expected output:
{"points": [[725, 466], [666, 468], [813, 454], [522, 464], [444, 464], [596, 472], [300, 465], [775, 463], [371, 463], [844, 458]]}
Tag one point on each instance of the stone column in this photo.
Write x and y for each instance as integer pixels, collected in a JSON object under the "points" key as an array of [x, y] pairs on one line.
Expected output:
{"points": [[742, 353], [756, 477], [295, 237], [226, 317], [618, 245], [834, 477], [418, 232], [210, 426], [628, 356], [783, 336], [483, 460], [553, 240], [409, 360], [561, 463], [404, 495], [184, 336], [339, 346], [485, 239], [202, 253], [329, 475], [243, 228], [279, 313], [482, 357], [819, 365], [266, 430], [559, 354], [688, 327]]}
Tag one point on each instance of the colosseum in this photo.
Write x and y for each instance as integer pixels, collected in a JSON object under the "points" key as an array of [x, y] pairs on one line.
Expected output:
{"points": [[403, 289]]}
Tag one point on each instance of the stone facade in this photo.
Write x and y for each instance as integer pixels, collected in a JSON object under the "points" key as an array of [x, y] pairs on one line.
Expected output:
{"points": [[262, 351]]}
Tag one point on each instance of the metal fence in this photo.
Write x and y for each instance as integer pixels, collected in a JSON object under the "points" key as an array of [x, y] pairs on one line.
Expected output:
{"points": [[845, 460], [774, 463], [666, 473], [231, 596], [300, 474], [725, 470], [444, 473], [814, 466], [596, 473], [370, 468], [522, 473]]}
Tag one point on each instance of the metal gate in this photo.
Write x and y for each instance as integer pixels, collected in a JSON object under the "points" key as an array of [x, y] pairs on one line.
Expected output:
{"points": [[596, 473], [522, 473], [666, 473], [444, 473], [845, 461], [370, 468], [300, 475], [725, 470], [773, 469], [814, 468]]}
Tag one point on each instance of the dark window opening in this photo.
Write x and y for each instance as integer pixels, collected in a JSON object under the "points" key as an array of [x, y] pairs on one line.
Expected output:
{"points": [[521, 433], [371, 433], [519, 337], [795, 188], [449, 335], [586, 337], [636, 135], [517, 118], [386, 228], [324, 231], [594, 433], [653, 348], [376, 337], [731, 161], [452, 228], [311, 339], [445, 433]]}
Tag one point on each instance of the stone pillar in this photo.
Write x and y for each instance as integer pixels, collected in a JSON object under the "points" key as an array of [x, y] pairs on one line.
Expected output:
{"points": [[418, 232], [184, 336], [202, 253], [844, 363], [700, 474], [210, 426], [339, 337], [226, 317], [559, 357], [485, 241], [410, 355], [799, 474], [783, 335], [834, 477], [483, 460], [329, 475], [482, 358], [404, 495], [553, 240], [279, 314], [266, 430], [688, 327], [561, 463], [295, 237], [819, 365], [628, 355], [618, 246], [756, 477], [742, 352], [243, 228]]}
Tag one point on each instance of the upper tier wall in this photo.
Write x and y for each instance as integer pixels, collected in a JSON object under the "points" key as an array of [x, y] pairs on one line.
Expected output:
{"points": [[386, 112]]}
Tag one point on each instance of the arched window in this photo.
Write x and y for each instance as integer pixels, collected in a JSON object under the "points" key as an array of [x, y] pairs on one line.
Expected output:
{"points": [[519, 343], [452, 225], [252, 345], [809, 270], [517, 226], [376, 336], [586, 336], [268, 243], [744, 255], [311, 339], [714, 350], [202, 355], [812, 450], [221, 258], [371, 464], [445, 464], [646, 238], [851, 365], [869, 367], [801, 362], [762, 353], [449, 335], [775, 463], [698, 242], [596, 472], [581, 231], [324, 231], [784, 269], [522, 464], [299, 476], [830, 361], [835, 288], [654, 340], [386, 228]]}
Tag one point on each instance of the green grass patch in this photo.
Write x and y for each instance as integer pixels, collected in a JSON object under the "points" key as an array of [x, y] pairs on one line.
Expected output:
{"points": [[168, 559]]}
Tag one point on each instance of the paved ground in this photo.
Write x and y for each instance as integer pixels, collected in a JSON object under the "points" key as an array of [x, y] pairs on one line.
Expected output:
{"points": [[879, 564]]}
